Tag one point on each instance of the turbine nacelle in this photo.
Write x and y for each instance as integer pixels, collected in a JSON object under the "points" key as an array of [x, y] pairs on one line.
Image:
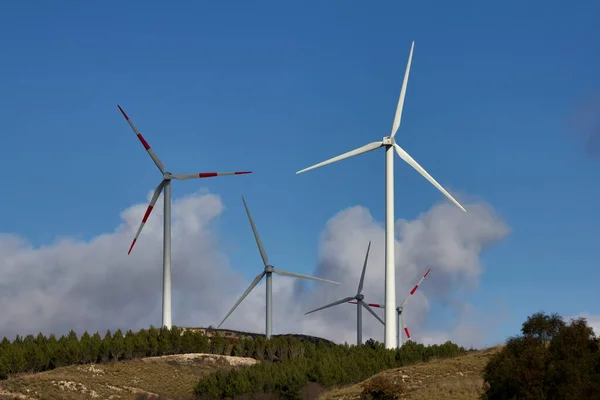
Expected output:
{"points": [[167, 176], [360, 297], [388, 141], [269, 268]]}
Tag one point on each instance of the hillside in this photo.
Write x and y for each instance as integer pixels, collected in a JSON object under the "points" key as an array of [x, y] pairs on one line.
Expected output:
{"points": [[457, 378], [175, 376]]}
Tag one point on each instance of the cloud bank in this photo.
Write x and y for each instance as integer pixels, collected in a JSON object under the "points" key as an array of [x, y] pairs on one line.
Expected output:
{"points": [[93, 285]]}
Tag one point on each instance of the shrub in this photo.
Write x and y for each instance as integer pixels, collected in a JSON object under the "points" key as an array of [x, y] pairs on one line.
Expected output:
{"points": [[550, 360], [382, 388]]}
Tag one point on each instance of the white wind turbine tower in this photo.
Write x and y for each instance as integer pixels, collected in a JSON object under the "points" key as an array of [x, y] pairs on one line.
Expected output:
{"points": [[401, 325], [165, 184], [359, 303], [390, 144], [268, 271]]}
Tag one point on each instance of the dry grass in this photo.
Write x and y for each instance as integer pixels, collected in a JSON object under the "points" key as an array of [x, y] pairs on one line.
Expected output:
{"points": [[170, 376], [451, 379]]}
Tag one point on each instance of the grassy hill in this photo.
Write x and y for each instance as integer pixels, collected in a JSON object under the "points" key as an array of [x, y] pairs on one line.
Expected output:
{"points": [[175, 377], [457, 378], [172, 376]]}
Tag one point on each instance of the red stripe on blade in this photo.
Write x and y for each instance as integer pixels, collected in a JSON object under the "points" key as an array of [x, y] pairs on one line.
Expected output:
{"points": [[426, 273], [132, 244], [207, 174], [414, 289], [148, 211], [374, 305], [352, 302], [146, 145], [243, 172], [407, 334], [123, 112]]}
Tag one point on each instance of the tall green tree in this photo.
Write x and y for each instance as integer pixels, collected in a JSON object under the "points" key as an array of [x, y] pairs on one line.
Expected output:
{"points": [[550, 360]]}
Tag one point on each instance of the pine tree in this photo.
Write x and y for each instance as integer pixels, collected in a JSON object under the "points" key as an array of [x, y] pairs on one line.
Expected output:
{"points": [[117, 348], [152, 341], [175, 340], [95, 347], [164, 341], [130, 341], [106, 347], [86, 351]]}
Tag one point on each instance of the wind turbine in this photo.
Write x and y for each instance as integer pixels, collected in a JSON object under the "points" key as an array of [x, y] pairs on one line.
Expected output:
{"points": [[359, 303], [390, 144], [165, 184], [401, 326], [268, 271]]}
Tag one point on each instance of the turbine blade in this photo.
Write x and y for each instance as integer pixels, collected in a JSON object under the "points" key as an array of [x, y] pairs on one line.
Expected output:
{"points": [[243, 296], [362, 276], [263, 253], [335, 303], [294, 275], [369, 304], [411, 161], [355, 152], [369, 309], [153, 155], [157, 191], [405, 301], [207, 175], [376, 305], [398, 115], [407, 332]]}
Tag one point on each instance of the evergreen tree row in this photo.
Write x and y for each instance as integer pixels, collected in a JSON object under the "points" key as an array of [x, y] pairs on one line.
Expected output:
{"points": [[327, 364], [40, 353]]}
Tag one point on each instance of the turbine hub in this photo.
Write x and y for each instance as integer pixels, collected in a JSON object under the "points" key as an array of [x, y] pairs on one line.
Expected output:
{"points": [[167, 176], [399, 309], [359, 297], [269, 268], [388, 141]]}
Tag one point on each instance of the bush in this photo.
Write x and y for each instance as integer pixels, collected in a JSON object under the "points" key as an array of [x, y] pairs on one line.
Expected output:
{"points": [[382, 388], [550, 360]]}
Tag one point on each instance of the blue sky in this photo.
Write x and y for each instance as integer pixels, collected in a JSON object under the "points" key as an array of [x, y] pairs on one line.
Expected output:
{"points": [[274, 87]]}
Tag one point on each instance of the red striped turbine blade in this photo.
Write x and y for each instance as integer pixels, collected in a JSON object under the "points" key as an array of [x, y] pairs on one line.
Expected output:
{"points": [[369, 304], [153, 155], [159, 189], [415, 288], [407, 334], [211, 174], [208, 175]]}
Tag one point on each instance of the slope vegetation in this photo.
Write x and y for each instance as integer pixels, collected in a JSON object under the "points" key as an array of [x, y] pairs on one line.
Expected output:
{"points": [[457, 378]]}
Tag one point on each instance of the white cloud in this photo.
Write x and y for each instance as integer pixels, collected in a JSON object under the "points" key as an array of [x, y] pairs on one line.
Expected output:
{"points": [[93, 285]]}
